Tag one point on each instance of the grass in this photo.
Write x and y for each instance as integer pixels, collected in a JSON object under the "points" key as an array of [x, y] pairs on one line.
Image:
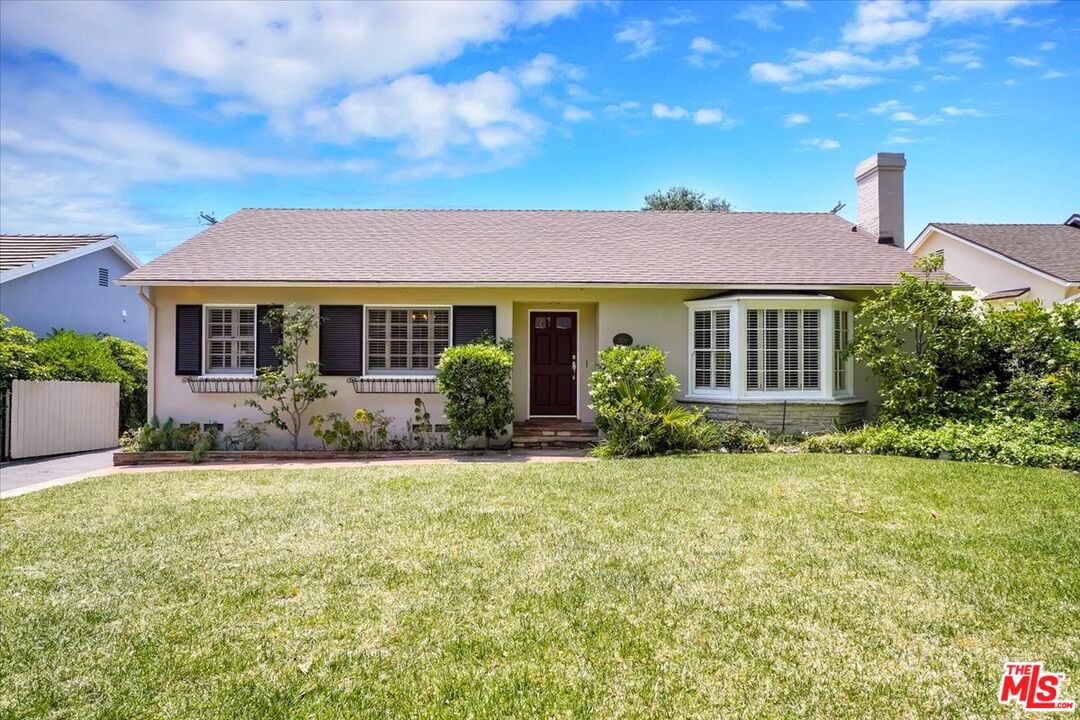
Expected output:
{"points": [[733, 586]]}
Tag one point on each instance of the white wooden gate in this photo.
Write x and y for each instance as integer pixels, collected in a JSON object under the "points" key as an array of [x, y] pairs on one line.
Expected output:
{"points": [[50, 417]]}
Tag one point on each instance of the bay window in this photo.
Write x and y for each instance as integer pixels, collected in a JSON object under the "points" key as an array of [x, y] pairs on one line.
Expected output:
{"points": [[784, 346]]}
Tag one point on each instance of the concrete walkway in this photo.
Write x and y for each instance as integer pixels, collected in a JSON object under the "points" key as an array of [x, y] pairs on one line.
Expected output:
{"points": [[19, 478]]}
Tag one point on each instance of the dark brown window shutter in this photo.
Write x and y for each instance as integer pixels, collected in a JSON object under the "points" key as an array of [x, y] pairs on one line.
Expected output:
{"points": [[266, 338], [471, 322], [341, 339], [189, 339]]}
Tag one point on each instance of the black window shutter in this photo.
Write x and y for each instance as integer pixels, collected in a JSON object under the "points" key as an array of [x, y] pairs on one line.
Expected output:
{"points": [[341, 339], [266, 338], [471, 322], [189, 339]]}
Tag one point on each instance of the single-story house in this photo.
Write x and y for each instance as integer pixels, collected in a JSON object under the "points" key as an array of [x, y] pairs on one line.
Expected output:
{"points": [[1009, 263], [753, 309], [69, 282]]}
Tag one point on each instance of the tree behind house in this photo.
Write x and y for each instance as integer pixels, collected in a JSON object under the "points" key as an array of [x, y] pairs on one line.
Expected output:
{"points": [[287, 392], [684, 198]]}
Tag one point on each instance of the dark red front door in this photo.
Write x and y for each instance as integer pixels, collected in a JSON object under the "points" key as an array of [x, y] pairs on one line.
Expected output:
{"points": [[552, 363]]}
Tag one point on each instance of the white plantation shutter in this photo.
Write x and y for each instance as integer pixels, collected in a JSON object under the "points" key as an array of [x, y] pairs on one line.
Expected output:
{"points": [[407, 340], [712, 349], [841, 338], [783, 349], [230, 339]]}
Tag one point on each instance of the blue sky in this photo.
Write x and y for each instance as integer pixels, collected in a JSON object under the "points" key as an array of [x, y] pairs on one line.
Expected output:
{"points": [[132, 118]]}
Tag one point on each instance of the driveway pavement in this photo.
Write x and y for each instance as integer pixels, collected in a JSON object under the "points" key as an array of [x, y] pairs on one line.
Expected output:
{"points": [[20, 476]]}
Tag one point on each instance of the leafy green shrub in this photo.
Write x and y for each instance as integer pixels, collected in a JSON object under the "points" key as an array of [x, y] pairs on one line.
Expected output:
{"points": [[157, 436], [474, 381], [337, 433], [739, 437], [1003, 440], [644, 421], [642, 366], [244, 435], [131, 358], [18, 354]]}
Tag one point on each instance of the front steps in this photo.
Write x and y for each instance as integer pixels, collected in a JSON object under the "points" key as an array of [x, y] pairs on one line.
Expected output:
{"points": [[537, 433]]}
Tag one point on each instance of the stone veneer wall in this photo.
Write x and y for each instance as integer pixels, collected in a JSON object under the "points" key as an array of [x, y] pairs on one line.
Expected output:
{"points": [[797, 417]]}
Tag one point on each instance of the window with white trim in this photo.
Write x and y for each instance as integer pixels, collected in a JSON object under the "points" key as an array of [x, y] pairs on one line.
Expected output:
{"points": [[841, 338], [406, 340], [783, 349], [712, 349], [230, 340]]}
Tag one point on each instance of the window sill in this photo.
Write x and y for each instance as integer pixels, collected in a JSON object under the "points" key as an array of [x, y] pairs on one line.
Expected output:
{"points": [[729, 400]]}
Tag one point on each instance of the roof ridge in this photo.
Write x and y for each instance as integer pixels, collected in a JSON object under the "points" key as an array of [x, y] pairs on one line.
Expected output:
{"points": [[61, 235], [540, 210], [1046, 224]]}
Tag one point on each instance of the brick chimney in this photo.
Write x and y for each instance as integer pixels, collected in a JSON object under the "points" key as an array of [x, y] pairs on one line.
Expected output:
{"points": [[879, 182]]}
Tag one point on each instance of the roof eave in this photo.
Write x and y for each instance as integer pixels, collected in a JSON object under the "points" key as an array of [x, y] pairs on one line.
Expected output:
{"points": [[108, 243]]}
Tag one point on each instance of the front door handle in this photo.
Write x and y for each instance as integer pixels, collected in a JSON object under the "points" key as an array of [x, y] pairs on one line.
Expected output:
{"points": [[573, 365]]}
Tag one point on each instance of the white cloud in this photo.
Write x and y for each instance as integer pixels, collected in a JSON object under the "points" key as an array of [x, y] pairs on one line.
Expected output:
{"points": [[1009, 83], [945, 78], [761, 15], [1047, 46], [796, 119], [822, 143], [1028, 62], [898, 138], [708, 116], [852, 68], [541, 12], [968, 59], [951, 11], [274, 55], [572, 113], [1052, 75], [626, 107], [904, 116], [426, 118], [539, 71], [884, 22], [705, 52], [797, 4], [885, 106], [953, 111], [642, 35], [669, 112]]}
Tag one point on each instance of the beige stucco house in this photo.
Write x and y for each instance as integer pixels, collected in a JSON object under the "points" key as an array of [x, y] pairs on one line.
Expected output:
{"points": [[753, 309], [1009, 263]]}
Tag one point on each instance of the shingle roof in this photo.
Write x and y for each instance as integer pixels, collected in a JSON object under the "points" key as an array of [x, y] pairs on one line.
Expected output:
{"points": [[1006, 294], [17, 250], [567, 247], [1052, 248]]}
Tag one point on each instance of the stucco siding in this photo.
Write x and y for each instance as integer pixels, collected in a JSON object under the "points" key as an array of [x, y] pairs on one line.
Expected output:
{"points": [[67, 296], [987, 272], [656, 316]]}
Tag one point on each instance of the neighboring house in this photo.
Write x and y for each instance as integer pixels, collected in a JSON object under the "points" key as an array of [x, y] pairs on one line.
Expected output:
{"points": [[754, 309], [69, 282], [1009, 263]]}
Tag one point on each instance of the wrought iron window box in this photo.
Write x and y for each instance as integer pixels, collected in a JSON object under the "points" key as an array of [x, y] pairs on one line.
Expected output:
{"points": [[222, 384], [414, 386]]}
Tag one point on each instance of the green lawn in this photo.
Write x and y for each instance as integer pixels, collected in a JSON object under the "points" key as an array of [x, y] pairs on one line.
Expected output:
{"points": [[724, 586]]}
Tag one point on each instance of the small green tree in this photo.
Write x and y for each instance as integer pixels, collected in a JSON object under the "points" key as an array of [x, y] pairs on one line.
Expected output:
{"points": [[474, 380], [927, 348], [287, 392], [684, 198]]}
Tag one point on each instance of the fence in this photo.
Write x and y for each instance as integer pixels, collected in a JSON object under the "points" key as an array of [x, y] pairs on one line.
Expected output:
{"points": [[50, 417]]}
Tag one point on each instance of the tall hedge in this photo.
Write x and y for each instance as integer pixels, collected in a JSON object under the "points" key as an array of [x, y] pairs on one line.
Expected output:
{"points": [[641, 366], [475, 382]]}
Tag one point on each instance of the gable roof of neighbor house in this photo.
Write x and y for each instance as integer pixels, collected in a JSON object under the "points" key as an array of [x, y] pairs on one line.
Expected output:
{"points": [[1053, 249], [524, 247], [24, 254]]}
